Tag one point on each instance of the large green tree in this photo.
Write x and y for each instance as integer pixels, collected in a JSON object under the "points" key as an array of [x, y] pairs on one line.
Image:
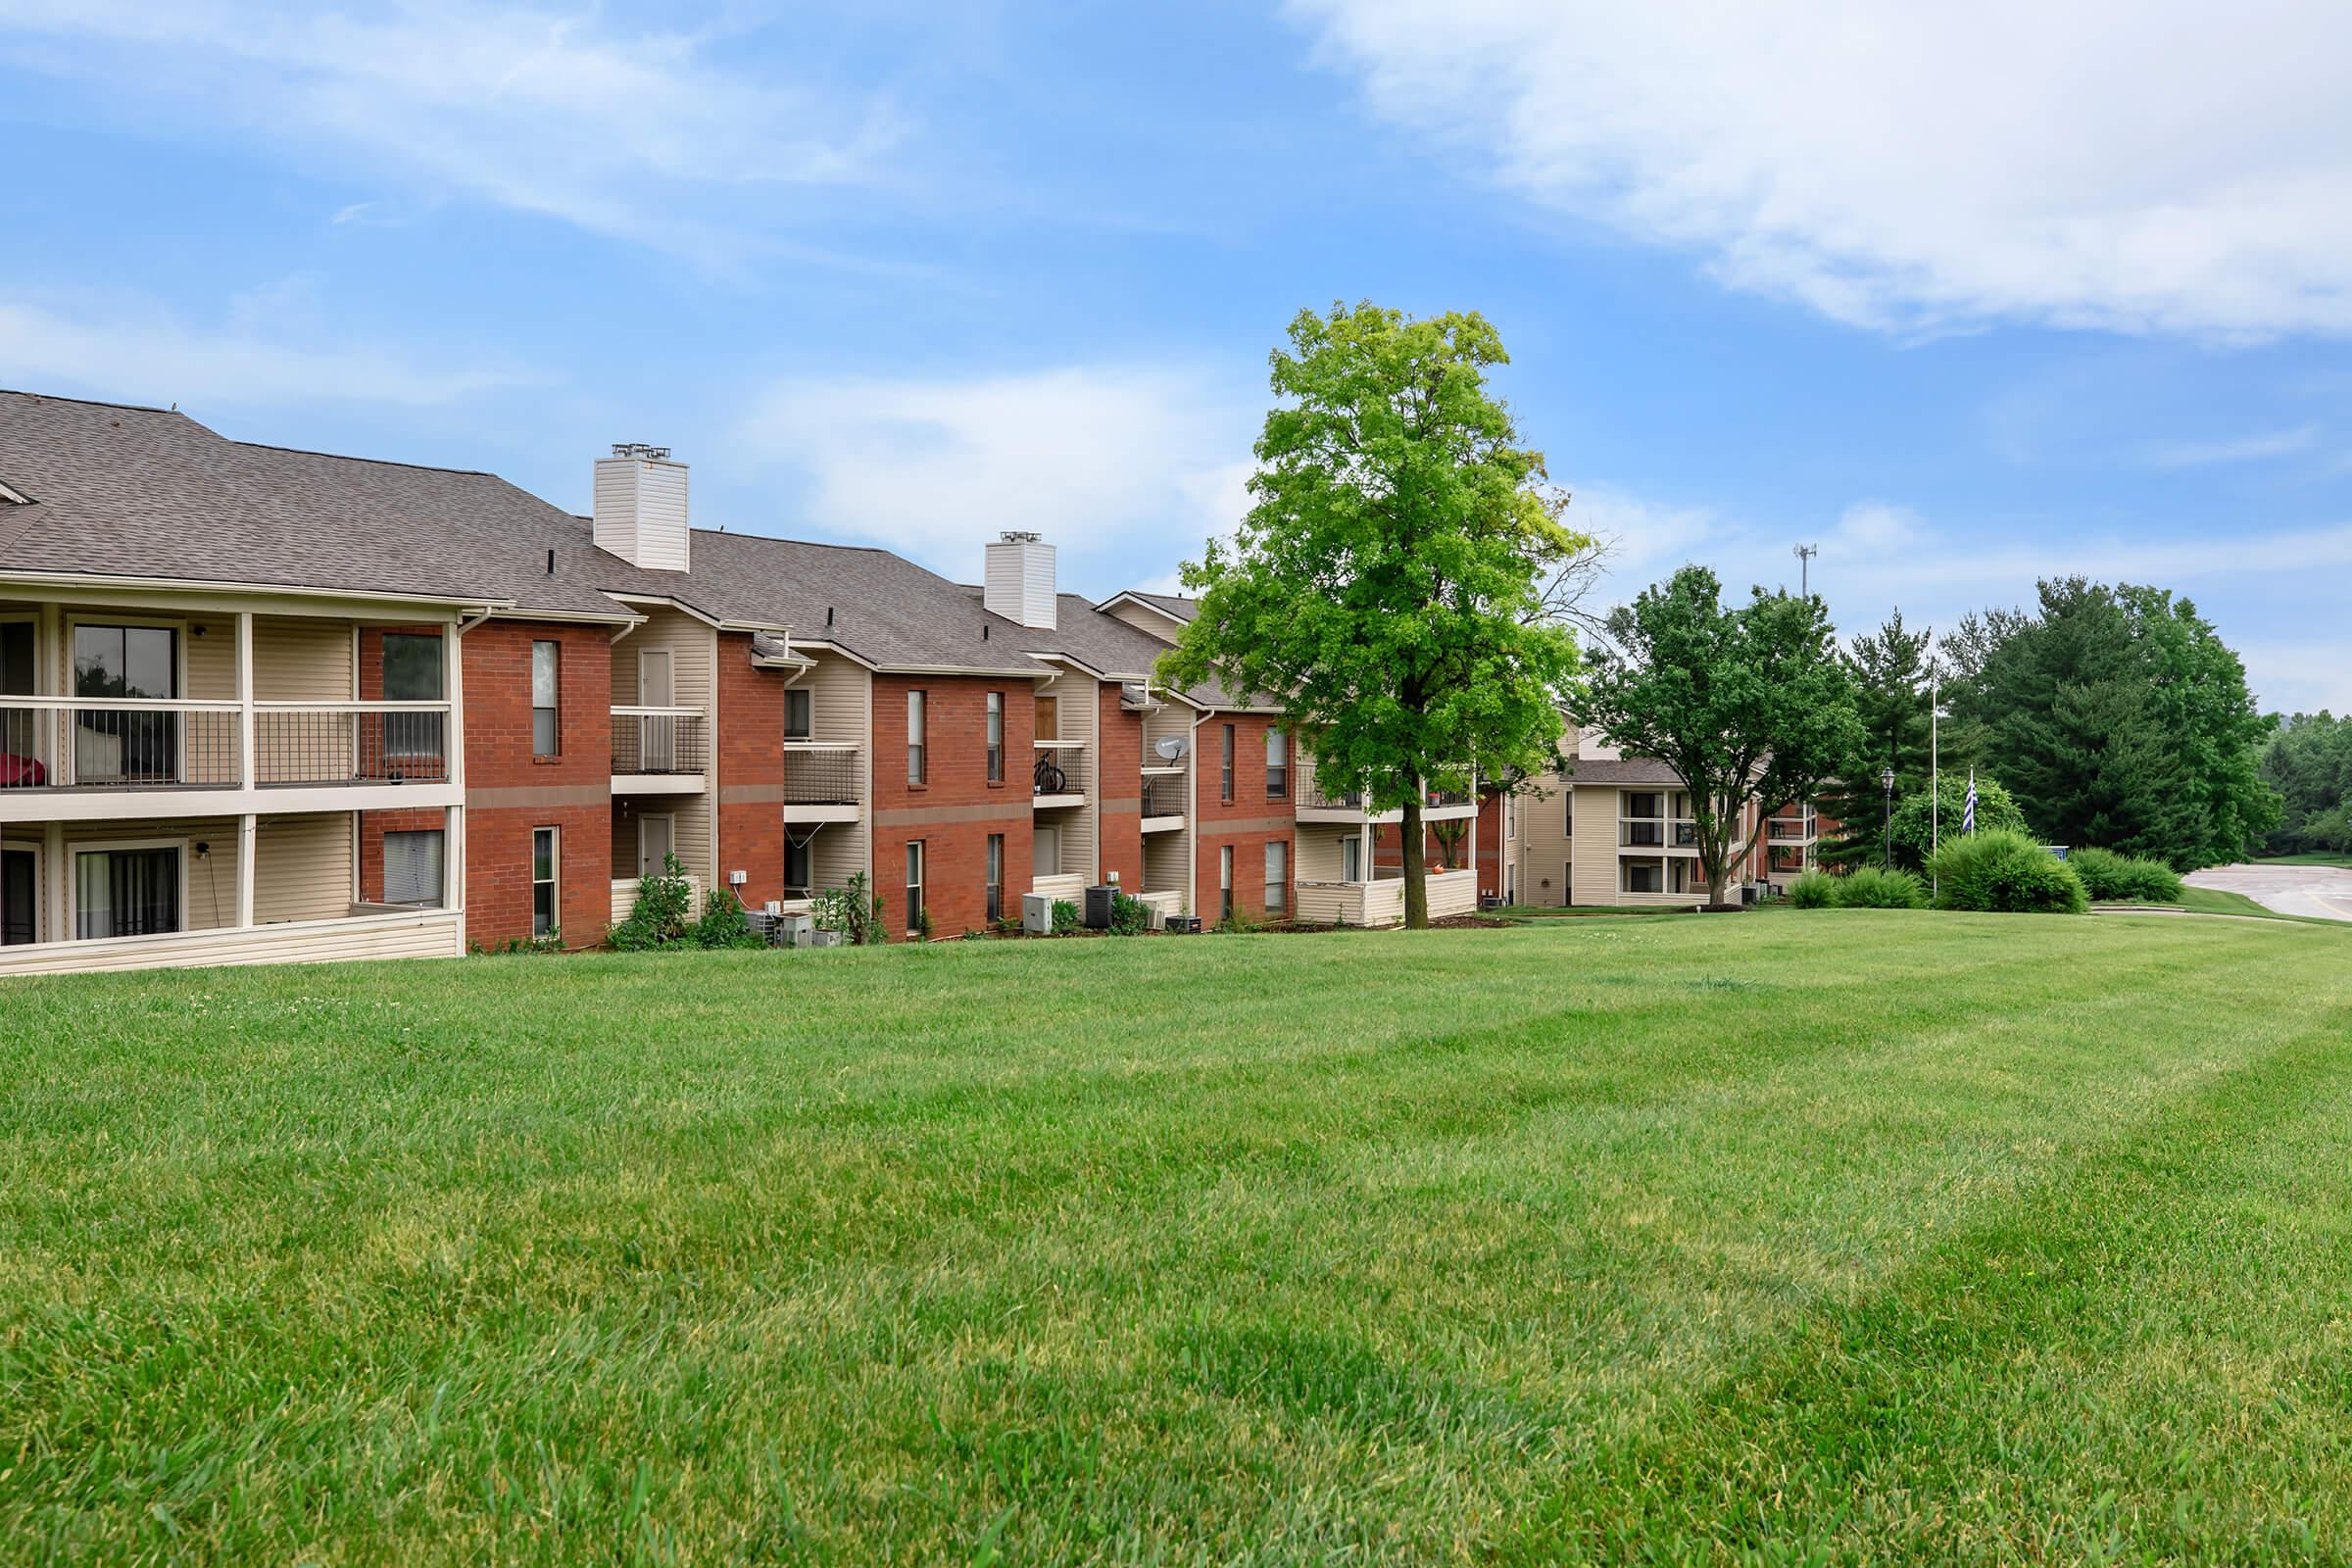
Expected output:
{"points": [[1746, 703], [1387, 582], [1891, 671], [2308, 760], [2119, 719]]}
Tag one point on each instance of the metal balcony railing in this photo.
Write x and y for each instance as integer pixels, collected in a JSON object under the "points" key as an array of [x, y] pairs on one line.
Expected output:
{"points": [[81, 743], [822, 775], [1449, 797], [1642, 833], [351, 743], [1312, 794], [1059, 769], [658, 740], [1165, 797]]}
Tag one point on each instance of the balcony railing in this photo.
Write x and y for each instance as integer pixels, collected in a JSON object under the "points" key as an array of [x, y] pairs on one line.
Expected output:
{"points": [[1449, 797], [1312, 794], [1790, 830], [1165, 797], [822, 775], [80, 742], [1059, 769], [1656, 832], [351, 743], [658, 740]]}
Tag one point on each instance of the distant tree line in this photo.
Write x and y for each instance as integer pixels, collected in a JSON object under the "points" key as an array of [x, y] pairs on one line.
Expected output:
{"points": [[2309, 762]]}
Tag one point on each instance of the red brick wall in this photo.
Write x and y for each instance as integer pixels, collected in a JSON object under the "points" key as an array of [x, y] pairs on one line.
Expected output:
{"points": [[501, 773], [1119, 789], [1247, 821], [956, 810], [750, 747]]}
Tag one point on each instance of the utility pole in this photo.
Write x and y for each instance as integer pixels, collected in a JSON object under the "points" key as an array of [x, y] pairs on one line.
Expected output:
{"points": [[1804, 568]]}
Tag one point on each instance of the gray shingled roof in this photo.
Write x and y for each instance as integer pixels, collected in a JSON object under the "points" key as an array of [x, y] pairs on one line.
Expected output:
{"points": [[1619, 770]]}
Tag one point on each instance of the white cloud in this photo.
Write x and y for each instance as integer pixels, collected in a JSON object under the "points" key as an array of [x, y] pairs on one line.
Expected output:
{"points": [[630, 131], [1140, 461], [138, 353], [2143, 166], [2241, 449]]}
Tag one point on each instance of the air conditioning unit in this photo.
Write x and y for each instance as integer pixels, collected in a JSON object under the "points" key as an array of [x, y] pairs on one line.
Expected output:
{"points": [[795, 930], [1037, 914]]}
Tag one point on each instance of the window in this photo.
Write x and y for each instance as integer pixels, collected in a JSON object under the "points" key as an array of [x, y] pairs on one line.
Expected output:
{"points": [[1643, 876], [657, 842], [111, 746], [1568, 812], [915, 885], [1225, 765], [1277, 763], [411, 674], [545, 856], [1644, 812], [412, 868], [546, 670], [800, 714], [1225, 874], [1352, 858], [126, 891], [914, 737], [995, 737], [1278, 876], [796, 868], [996, 876]]}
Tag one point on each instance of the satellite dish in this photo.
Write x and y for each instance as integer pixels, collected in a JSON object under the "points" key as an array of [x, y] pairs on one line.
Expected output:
{"points": [[1168, 748]]}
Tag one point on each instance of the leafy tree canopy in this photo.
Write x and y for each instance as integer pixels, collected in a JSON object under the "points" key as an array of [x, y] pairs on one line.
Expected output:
{"points": [[1387, 583], [2119, 719], [2308, 760], [1746, 703], [1891, 671], [1996, 812]]}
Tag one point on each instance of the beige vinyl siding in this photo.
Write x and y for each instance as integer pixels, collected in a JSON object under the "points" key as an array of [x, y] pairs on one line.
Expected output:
{"points": [[1169, 856], [416, 934], [1596, 860], [694, 652], [302, 660], [840, 691], [1329, 904], [1079, 701], [1149, 622], [209, 883], [1319, 857], [302, 869], [1540, 810]]}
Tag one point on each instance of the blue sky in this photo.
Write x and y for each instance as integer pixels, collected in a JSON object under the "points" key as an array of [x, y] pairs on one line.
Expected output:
{"points": [[1964, 301]]}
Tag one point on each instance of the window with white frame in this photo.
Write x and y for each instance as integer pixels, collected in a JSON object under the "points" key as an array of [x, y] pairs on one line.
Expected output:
{"points": [[800, 714], [915, 885], [127, 891], [1277, 763], [546, 858], [995, 737], [547, 730], [412, 866], [1278, 876], [916, 702]]}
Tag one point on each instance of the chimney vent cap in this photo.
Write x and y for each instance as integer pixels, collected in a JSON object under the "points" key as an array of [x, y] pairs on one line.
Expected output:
{"points": [[639, 449], [1019, 537]]}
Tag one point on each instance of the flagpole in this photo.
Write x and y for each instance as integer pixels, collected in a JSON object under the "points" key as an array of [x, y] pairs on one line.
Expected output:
{"points": [[1934, 777]]}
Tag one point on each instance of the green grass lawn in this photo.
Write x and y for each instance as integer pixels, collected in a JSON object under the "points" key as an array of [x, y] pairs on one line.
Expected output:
{"points": [[2307, 857], [1825, 1236]]}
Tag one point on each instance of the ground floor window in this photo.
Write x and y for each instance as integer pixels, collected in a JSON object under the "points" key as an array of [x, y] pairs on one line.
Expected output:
{"points": [[1641, 877], [126, 891], [412, 868], [1278, 876], [1352, 858], [1225, 882], [545, 856], [996, 877], [20, 896], [915, 885]]}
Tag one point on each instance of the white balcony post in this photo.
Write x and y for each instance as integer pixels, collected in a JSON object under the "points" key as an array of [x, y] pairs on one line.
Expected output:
{"points": [[248, 845], [247, 778]]}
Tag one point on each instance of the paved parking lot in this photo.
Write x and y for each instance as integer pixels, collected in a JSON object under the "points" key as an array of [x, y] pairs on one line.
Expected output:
{"points": [[2320, 891]]}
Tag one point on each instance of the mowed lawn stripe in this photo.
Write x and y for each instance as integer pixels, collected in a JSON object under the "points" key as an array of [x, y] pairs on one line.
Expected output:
{"points": [[1246, 1249]]}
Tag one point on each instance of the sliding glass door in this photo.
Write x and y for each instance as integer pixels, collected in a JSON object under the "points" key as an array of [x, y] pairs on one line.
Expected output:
{"points": [[125, 893]]}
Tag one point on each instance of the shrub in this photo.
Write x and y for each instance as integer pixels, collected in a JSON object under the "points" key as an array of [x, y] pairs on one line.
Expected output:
{"points": [[2006, 873], [1869, 888], [1129, 917], [1065, 917], [724, 924], [850, 910], [659, 918], [1815, 890], [2109, 878]]}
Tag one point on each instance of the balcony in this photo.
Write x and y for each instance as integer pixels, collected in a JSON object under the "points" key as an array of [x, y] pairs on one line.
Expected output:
{"points": [[97, 757], [1317, 803], [822, 783], [1165, 802], [1793, 830], [1656, 833], [1057, 778], [659, 751]]}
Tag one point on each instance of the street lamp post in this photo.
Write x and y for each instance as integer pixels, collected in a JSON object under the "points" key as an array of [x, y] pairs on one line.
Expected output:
{"points": [[1887, 848]]}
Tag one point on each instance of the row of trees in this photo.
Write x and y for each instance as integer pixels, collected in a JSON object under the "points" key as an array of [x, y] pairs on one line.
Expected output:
{"points": [[1405, 580], [2308, 760]]}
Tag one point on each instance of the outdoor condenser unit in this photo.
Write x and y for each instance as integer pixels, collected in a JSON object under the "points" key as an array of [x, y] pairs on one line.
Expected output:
{"points": [[1037, 914]]}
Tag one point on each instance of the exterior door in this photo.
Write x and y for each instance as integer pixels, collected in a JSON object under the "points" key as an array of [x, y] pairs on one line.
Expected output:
{"points": [[20, 897], [657, 736], [1045, 854], [656, 840], [116, 746]]}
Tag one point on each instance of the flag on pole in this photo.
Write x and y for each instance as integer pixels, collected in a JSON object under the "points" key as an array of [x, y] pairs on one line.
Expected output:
{"points": [[1968, 814]]}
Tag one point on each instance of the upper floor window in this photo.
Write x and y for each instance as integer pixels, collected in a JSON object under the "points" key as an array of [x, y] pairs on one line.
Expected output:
{"points": [[547, 663], [800, 714], [1225, 764], [995, 737], [1277, 763], [916, 702]]}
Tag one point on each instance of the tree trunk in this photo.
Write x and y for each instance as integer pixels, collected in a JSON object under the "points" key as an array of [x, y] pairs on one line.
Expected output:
{"points": [[1416, 867]]}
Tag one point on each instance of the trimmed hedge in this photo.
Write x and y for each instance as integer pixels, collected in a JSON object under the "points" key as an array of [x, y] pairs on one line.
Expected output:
{"points": [[2006, 873], [2112, 878], [1869, 888], [1815, 890]]}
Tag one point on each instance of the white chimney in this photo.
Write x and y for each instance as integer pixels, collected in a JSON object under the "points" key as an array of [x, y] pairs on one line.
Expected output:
{"points": [[1019, 585], [640, 507]]}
